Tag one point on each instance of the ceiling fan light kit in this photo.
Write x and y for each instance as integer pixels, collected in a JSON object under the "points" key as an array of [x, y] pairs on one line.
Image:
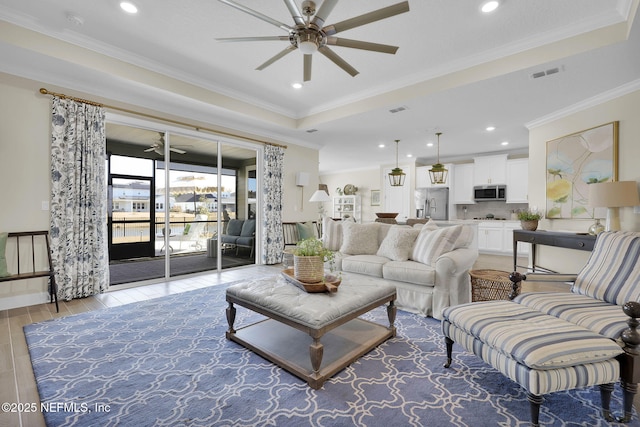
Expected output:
{"points": [[310, 35], [397, 176], [438, 173]]}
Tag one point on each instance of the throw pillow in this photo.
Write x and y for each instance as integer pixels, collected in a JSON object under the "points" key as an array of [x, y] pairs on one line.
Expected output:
{"points": [[305, 231], [398, 243], [4, 272], [359, 239], [331, 234], [430, 243]]}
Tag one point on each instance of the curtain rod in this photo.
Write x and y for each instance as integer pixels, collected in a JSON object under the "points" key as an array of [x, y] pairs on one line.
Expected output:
{"points": [[150, 116]]}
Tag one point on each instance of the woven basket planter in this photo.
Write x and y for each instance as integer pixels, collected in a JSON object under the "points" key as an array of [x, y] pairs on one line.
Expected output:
{"points": [[308, 269], [531, 225]]}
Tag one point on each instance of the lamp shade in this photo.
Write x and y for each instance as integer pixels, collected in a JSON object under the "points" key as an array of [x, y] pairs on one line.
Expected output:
{"points": [[320, 196], [613, 194]]}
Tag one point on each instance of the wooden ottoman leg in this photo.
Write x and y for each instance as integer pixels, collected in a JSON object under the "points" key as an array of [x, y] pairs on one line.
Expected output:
{"points": [[605, 396], [449, 342], [391, 314], [316, 351], [535, 402]]}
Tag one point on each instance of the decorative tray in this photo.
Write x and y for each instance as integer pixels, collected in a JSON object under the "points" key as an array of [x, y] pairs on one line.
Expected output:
{"points": [[330, 283]]}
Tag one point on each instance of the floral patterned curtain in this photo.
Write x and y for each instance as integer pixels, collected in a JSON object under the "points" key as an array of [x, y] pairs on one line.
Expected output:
{"points": [[272, 236], [78, 199]]}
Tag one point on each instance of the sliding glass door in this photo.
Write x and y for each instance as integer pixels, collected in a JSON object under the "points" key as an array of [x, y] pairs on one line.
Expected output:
{"points": [[173, 197]]}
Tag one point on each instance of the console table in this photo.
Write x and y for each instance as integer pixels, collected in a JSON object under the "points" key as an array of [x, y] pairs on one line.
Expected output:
{"points": [[581, 242]]}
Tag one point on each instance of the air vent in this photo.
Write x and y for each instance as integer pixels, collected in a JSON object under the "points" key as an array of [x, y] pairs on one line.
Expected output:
{"points": [[398, 109], [548, 72], [312, 130]]}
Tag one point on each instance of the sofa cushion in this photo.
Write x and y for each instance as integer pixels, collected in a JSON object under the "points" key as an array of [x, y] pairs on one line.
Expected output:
{"points": [[430, 244], [398, 243], [611, 273], [359, 239], [409, 272], [371, 265], [383, 230], [248, 228], [305, 230], [331, 234], [234, 228]]}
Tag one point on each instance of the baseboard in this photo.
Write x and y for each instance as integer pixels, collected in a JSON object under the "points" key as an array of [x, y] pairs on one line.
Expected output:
{"points": [[25, 300]]}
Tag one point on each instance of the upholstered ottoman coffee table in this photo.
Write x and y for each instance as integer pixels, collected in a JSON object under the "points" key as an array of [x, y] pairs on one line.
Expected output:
{"points": [[311, 335]]}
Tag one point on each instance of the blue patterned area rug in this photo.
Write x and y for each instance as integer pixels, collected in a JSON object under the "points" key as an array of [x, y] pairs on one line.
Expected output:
{"points": [[166, 362]]}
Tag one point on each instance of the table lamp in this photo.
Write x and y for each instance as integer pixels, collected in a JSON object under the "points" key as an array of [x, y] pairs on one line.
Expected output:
{"points": [[613, 195], [320, 196]]}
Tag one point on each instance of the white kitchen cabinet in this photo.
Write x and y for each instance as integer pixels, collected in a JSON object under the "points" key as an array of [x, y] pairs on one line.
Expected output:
{"points": [[518, 181], [490, 170], [509, 226], [462, 184], [347, 206], [423, 180], [491, 236], [422, 177]]}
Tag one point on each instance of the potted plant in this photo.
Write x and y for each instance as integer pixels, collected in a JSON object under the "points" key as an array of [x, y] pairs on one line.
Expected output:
{"points": [[309, 257], [529, 219]]}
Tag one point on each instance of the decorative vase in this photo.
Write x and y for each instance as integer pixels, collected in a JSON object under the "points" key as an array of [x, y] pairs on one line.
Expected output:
{"points": [[531, 225], [596, 228], [308, 269]]}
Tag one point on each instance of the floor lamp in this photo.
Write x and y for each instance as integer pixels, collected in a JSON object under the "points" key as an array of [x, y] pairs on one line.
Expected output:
{"points": [[613, 196], [320, 196]]}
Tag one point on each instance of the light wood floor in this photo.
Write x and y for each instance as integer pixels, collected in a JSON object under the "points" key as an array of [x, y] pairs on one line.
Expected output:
{"points": [[16, 374]]}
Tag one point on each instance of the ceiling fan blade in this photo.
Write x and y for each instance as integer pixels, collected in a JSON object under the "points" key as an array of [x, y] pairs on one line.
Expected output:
{"points": [[307, 68], [177, 150], [338, 61], [367, 18], [357, 44], [253, 39], [257, 14], [295, 12], [289, 49], [150, 149], [323, 13]]}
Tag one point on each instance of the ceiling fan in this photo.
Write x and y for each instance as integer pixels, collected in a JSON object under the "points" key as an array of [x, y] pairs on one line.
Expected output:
{"points": [[310, 35], [158, 147]]}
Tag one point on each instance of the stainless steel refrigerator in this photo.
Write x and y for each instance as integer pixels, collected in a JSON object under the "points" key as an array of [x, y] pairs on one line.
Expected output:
{"points": [[436, 203]]}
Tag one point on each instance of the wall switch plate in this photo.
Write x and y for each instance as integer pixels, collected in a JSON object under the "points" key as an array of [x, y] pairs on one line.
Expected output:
{"points": [[45, 205]]}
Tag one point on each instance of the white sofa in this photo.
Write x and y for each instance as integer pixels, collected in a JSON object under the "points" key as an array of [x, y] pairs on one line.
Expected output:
{"points": [[429, 265]]}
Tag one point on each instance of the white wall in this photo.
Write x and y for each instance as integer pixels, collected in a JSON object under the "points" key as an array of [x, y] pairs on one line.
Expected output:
{"points": [[24, 173], [623, 109]]}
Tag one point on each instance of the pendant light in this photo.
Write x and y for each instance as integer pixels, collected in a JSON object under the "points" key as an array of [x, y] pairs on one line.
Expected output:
{"points": [[396, 176], [438, 173]]}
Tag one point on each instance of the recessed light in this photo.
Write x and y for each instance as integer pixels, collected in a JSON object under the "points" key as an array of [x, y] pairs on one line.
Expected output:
{"points": [[429, 144], [504, 143], [490, 6], [296, 85], [490, 128], [409, 155], [380, 145], [128, 7]]}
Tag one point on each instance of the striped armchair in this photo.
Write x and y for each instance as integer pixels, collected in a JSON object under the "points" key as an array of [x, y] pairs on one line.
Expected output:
{"points": [[550, 341]]}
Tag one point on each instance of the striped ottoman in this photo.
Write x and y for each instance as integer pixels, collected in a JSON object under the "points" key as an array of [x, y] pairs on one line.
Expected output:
{"points": [[540, 352]]}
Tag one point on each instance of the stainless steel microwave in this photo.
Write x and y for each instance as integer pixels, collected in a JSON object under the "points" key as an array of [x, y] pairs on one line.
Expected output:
{"points": [[487, 193]]}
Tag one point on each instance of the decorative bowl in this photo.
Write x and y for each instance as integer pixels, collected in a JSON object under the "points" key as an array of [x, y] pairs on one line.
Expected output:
{"points": [[386, 214]]}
